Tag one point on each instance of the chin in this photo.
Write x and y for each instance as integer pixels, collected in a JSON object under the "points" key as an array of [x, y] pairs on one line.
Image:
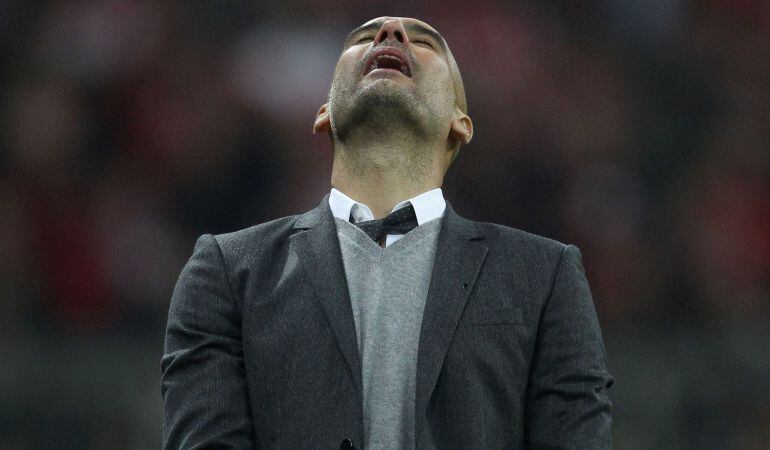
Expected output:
{"points": [[387, 92], [378, 111]]}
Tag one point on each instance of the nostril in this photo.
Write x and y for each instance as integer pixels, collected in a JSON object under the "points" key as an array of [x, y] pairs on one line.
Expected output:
{"points": [[399, 36], [381, 36]]}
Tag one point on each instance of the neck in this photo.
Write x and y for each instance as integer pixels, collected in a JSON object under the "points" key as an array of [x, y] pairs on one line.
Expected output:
{"points": [[381, 175]]}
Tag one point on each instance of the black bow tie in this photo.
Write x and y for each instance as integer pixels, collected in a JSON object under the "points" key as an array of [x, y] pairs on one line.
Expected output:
{"points": [[401, 221]]}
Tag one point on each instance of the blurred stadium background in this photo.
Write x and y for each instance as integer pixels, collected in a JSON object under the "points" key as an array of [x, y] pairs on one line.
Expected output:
{"points": [[638, 130]]}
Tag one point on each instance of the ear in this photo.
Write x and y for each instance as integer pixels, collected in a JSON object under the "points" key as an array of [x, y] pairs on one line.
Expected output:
{"points": [[322, 122], [461, 128]]}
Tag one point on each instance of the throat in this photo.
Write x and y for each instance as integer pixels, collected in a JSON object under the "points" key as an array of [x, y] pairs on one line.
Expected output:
{"points": [[382, 172]]}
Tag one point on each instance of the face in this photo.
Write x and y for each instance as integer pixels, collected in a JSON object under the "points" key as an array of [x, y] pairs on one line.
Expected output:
{"points": [[395, 72]]}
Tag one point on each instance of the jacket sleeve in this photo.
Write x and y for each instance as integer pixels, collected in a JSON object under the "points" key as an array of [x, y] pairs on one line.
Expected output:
{"points": [[203, 381], [567, 402]]}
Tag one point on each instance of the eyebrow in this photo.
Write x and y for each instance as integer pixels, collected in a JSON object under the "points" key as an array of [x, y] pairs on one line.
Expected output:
{"points": [[411, 28]]}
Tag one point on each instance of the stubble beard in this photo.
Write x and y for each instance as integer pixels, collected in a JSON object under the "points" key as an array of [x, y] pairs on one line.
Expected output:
{"points": [[384, 127]]}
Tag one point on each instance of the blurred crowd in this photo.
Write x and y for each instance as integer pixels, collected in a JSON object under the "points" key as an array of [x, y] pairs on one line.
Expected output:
{"points": [[637, 130]]}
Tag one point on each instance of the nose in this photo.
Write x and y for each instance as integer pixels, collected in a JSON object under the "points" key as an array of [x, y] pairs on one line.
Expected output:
{"points": [[392, 30]]}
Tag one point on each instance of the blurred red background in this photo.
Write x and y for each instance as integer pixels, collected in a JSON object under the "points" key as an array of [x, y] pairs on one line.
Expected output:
{"points": [[637, 130]]}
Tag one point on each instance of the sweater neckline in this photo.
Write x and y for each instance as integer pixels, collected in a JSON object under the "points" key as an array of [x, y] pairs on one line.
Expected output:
{"points": [[373, 248]]}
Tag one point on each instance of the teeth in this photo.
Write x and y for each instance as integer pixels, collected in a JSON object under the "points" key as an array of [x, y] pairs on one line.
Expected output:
{"points": [[375, 64]]}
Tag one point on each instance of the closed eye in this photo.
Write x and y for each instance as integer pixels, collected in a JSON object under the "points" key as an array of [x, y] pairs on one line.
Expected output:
{"points": [[363, 39], [425, 43]]}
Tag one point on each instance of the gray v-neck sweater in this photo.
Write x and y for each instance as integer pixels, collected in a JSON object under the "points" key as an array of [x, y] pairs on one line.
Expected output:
{"points": [[388, 287]]}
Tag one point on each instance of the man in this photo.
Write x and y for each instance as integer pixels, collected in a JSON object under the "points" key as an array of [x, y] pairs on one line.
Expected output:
{"points": [[382, 318]]}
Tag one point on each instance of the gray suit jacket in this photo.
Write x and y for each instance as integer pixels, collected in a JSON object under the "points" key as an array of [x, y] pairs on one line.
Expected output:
{"points": [[260, 348]]}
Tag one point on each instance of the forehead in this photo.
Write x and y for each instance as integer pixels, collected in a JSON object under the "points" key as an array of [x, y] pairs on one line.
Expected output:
{"points": [[404, 20]]}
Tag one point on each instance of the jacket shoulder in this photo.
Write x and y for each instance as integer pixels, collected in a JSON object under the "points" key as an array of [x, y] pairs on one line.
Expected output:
{"points": [[497, 232], [256, 239], [521, 247]]}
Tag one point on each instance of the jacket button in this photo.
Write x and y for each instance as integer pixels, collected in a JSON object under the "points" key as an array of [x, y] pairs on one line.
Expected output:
{"points": [[347, 444]]}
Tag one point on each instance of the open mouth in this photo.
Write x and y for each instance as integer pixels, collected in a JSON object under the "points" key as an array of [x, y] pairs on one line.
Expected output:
{"points": [[390, 59]]}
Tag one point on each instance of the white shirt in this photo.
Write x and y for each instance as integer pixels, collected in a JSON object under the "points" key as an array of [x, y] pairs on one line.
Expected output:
{"points": [[427, 206]]}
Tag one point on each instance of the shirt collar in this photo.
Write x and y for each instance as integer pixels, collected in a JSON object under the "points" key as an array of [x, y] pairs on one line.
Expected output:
{"points": [[427, 206]]}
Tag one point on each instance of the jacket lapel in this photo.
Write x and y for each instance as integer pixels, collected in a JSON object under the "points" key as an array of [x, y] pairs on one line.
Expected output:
{"points": [[460, 253], [319, 253]]}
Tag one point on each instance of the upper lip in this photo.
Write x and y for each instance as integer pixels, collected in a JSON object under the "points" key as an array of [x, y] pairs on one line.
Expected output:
{"points": [[389, 51]]}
